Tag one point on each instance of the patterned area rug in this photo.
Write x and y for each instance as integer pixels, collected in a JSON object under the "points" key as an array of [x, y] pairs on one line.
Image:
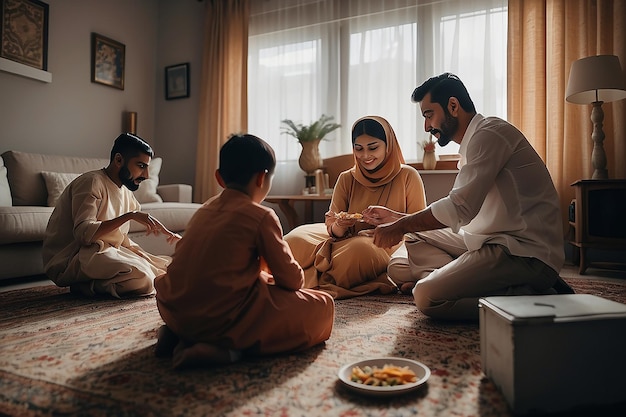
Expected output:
{"points": [[64, 355]]}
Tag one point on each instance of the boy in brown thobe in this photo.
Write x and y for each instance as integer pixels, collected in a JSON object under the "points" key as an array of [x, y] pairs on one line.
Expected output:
{"points": [[233, 285]]}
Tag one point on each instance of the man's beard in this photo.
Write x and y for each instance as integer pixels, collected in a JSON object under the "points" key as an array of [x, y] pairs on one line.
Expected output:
{"points": [[127, 179], [448, 128]]}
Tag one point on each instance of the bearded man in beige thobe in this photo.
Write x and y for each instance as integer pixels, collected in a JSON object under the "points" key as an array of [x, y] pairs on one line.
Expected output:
{"points": [[86, 245]]}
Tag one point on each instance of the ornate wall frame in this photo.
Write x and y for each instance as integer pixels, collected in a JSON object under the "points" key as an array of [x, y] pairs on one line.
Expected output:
{"points": [[24, 32]]}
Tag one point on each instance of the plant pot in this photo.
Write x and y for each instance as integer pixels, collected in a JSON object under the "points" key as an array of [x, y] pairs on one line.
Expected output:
{"points": [[310, 158], [430, 160]]}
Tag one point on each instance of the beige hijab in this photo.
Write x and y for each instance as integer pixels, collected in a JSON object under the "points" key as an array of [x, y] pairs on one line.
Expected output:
{"points": [[390, 166]]}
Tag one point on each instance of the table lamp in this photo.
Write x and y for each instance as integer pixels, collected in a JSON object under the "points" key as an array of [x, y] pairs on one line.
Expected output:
{"points": [[595, 80]]}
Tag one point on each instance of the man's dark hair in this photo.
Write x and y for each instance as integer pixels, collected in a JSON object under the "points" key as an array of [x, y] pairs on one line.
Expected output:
{"points": [[129, 146], [244, 156], [368, 127], [441, 88]]}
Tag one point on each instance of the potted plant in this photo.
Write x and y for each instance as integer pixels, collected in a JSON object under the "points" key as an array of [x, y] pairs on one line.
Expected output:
{"points": [[309, 137]]}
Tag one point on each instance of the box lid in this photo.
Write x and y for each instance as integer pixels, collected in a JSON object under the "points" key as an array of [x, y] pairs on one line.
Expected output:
{"points": [[555, 308]]}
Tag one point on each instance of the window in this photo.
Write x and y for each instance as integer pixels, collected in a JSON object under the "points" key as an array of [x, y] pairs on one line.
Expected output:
{"points": [[352, 58]]}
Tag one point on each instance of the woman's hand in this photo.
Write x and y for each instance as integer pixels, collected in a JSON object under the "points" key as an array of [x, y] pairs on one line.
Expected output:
{"points": [[340, 225]]}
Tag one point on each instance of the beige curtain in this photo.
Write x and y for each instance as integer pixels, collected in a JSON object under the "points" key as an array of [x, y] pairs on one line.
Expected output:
{"points": [[223, 108], [545, 37]]}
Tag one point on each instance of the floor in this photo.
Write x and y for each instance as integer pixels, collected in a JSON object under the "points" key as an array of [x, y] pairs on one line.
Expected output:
{"points": [[616, 273]]}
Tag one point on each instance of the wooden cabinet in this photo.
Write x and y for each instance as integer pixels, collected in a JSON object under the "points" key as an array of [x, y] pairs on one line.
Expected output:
{"points": [[598, 218]]}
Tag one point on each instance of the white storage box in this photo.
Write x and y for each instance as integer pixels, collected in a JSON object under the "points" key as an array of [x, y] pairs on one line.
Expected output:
{"points": [[551, 353]]}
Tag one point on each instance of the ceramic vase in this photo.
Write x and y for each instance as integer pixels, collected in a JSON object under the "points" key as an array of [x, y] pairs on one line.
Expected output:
{"points": [[430, 160], [310, 158]]}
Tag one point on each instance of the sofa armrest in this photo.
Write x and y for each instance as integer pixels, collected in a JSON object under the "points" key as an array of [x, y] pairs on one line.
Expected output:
{"points": [[179, 193]]}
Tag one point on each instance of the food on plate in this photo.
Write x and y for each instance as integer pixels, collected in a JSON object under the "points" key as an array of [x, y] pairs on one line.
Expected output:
{"points": [[388, 375], [345, 215]]}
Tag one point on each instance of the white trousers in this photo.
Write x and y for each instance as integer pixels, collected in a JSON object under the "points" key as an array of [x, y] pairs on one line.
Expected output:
{"points": [[120, 272], [450, 279]]}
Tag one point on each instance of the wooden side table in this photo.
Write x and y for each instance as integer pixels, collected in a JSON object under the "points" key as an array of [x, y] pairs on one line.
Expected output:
{"points": [[286, 204], [599, 218]]}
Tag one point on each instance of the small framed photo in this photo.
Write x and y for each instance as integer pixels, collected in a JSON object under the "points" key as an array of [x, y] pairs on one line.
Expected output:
{"points": [[24, 32], [107, 61], [177, 81]]}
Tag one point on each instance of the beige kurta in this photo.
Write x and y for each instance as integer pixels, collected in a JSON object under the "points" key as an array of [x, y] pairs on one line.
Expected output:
{"points": [[113, 264], [353, 265], [216, 289]]}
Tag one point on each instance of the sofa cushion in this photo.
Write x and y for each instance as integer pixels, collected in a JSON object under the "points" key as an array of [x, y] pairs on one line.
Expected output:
{"points": [[5, 191], [23, 223], [147, 191], [24, 173], [56, 183]]}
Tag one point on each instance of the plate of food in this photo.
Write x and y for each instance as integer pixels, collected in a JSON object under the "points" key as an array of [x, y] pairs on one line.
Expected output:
{"points": [[384, 376]]}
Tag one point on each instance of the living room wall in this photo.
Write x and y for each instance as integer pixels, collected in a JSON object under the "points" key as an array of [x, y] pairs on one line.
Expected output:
{"points": [[73, 116]]}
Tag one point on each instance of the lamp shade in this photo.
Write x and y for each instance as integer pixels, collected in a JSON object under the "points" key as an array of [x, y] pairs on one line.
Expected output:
{"points": [[596, 78]]}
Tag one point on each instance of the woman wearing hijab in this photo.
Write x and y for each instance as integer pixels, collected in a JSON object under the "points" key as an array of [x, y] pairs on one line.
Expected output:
{"points": [[339, 256]]}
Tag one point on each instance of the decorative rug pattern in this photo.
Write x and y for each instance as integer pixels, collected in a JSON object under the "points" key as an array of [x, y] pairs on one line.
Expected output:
{"points": [[64, 355]]}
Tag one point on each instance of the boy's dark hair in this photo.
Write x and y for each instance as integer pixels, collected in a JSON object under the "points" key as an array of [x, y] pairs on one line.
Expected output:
{"points": [[244, 156], [129, 146], [441, 88], [368, 127]]}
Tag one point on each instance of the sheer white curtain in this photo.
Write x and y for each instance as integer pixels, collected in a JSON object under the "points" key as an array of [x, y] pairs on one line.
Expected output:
{"points": [[351, 58]]}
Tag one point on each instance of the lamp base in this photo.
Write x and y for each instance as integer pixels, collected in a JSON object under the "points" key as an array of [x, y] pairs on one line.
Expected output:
{"points": [[600, 174], [598, 156]]}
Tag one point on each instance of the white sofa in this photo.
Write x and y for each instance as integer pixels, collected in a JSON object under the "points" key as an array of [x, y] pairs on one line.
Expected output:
{"points": [[29, 186]]}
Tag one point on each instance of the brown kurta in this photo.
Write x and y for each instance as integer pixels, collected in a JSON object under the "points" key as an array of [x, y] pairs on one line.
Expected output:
{"points": [[353, 265], [216, 288], [113, 264]]}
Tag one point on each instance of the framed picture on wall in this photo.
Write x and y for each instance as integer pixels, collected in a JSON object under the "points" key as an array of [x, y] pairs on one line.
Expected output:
{"points": [[107, 61], [177, 81], [24, 32]]}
